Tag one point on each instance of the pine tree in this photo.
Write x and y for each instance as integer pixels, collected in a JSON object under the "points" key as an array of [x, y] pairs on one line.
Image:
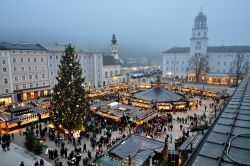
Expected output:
{"points": [[29, 139], [69, 103]]}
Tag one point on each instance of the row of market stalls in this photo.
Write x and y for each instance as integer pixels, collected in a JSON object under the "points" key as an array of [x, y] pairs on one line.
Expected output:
{"points": [[157, 98], [108, 91], [119, 111], [196, 91], [22, 115]]}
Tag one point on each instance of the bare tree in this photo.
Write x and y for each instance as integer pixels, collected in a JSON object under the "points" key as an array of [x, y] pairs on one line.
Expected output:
{"points": [[199, 65], [240, 66]]}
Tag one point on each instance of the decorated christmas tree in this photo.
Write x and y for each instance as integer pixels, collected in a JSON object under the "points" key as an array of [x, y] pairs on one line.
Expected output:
{"points": [[69, 104]]}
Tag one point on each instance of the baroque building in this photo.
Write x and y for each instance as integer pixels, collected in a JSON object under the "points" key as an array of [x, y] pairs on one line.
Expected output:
{"points": [[112, 66], [220, 58], [24, 72]]}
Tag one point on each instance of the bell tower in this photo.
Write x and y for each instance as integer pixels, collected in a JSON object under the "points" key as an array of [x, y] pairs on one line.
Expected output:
{"points": [[199, 40], [114, 47]]}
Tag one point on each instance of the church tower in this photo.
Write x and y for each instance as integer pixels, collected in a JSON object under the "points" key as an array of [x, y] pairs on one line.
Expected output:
{"points": [[199, 40], [114, 47]]}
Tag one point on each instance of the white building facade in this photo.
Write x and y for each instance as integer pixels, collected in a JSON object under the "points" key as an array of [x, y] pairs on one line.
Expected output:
{"points": [[24, 71], [220, 58], [91, 63], [112, 66]]}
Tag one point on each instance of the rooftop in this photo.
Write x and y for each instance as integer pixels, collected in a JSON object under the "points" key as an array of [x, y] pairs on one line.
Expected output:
{"points": [[228, 140], [20, 46], [140, 148], [110, 60], [159, 95], [211, 49]]}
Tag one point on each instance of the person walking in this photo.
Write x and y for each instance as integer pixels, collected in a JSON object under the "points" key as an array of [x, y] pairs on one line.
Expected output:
{"points": [[41, 162], [22, 164], [36, 163]]}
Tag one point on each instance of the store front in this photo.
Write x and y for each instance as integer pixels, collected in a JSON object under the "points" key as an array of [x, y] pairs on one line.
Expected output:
{"points": [[30, 94], [5, 100]]}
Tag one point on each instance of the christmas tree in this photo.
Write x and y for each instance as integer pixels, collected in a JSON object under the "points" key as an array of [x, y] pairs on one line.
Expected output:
{"points": [[69, 104]]}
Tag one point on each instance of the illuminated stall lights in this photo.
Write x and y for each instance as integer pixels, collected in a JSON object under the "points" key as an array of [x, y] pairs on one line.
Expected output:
{"points": [[164, 106], [32, 95], [5, 101], [45, 92], [25, 96]]}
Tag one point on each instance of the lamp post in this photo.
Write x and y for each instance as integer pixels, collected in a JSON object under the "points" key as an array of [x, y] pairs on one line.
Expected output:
{"points": [[203, 79]]}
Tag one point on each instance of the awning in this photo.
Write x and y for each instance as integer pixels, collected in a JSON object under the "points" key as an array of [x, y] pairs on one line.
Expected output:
{"points": [[35, 90], [150, 117]]}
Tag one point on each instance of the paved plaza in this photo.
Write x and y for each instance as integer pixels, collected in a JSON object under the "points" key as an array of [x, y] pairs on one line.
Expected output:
{"points": [[176, 133]]}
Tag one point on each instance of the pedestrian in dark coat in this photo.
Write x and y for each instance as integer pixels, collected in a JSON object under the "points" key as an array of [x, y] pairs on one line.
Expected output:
{"points": [[22, 164]]}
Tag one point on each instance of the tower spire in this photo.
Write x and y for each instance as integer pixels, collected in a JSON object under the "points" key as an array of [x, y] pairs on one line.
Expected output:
{"points": [[114, 47], [113, 39]]}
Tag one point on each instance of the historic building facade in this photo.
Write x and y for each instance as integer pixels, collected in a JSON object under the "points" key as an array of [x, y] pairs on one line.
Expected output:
{"points": [[91, 63], [112, 66], [24, 72], [220, 58]]}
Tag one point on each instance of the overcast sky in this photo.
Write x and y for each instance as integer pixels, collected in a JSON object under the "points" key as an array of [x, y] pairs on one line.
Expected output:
{"points": [[142, 27]]}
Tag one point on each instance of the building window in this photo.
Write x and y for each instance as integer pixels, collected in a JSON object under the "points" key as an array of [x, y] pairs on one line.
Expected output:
{"points": [[30, 68], [41, 59], [225, 63], [224, 70], [14, 59], [116, 72], [199, 33], [50, 57], [35, 68], [14, 68], [56, 57], [6, 90], [28, 59], [218, 70], [183, 62], [23, 78], [43, 75], [5, 80], [16, 78], [37, 84], [4, 69], [43, 83], [24, 86], [30, 77], [36, 76], [17, 87], [51, 73], [34, 59], [22, 68], [50, 65], [42, 67], [31, 85], [21, 59], [111, 74], [106, 74], [4, 62]]}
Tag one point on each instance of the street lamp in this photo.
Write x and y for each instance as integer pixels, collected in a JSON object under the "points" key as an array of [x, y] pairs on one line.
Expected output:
{"points": [[203, 79]]}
